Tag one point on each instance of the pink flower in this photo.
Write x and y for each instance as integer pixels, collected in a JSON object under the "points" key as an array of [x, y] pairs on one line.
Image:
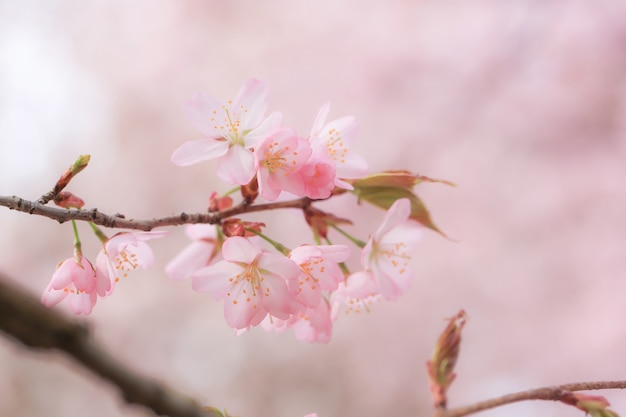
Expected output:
{"points": [[253, 283], [320, 271], [200, 253], [75, 281], [387, 253], [318, 177], [331, 142], [355, 294], [124, 252], [280, 157], [231, 129]]}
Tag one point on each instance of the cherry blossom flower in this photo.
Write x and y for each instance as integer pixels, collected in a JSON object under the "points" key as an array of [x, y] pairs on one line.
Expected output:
{"points": [[252, 282], [320, 271], [355, 294], [124, 252], [318, 178], [331, 142], [280, 157], [203, 249], [231, 129], [387, 253], [75, 281]]}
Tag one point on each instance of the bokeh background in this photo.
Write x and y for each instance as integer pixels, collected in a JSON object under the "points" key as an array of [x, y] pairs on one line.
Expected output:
{"points": [[521, 103]]}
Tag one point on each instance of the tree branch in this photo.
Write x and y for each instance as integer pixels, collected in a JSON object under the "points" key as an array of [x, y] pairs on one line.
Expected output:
{"points": [[556, 393], [120, 221], [27, 321]]}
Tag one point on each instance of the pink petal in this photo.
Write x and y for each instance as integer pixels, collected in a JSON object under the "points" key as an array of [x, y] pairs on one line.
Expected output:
{"points": [[267, 127], [82, 303], [105, 275], [63, 276], [254, 97], [320, 119], [52, 297], [279, 265], [195, 151], [277, 300], [240, 249], [237, 166], [244, 309], [215, 279], [189, 260], [202, 109], [399, 212]]}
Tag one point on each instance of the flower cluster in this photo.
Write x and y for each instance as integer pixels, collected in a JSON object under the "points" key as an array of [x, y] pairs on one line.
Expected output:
{"points": [[78, 282], [247, 143], [261, 281], [304, 288]]}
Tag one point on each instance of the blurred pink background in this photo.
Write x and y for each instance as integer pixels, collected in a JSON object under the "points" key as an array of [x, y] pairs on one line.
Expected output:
{"points": [[520, 103]]}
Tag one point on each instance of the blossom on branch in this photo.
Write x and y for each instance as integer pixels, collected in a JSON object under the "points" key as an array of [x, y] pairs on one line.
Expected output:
{"points": [[231, 130], [124, 252], [320, 271], [252, 282], [387, 253], [331, 142], [280, 157], [75, 281]]}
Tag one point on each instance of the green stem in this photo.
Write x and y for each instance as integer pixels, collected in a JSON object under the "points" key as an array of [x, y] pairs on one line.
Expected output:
{"points": [[99, 233], [78, 252], [353, 239], [278, 246], [231, 191]]}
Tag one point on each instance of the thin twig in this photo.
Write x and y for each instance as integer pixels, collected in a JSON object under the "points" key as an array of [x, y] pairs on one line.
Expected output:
{"points": [[119, 221], [555, 393], [24, 318]]}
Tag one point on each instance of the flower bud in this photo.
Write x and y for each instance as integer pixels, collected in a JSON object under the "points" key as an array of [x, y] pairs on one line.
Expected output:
{"points": [[441, 366], [68, 200], [219, 203]]}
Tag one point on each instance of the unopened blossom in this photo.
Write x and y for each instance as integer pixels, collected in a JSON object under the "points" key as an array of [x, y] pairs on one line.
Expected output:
{"points": [[252, 282], [122, 253], [331, 142], [388, 251], [280, 157], [203, 249], [320, 271], [231, 130], [74, 281]]}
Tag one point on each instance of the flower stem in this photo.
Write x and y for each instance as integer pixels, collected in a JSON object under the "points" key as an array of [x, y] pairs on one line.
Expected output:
{"points": [[99, 233], [353, 239], [231, 191], [278, 246], [78, 252]]}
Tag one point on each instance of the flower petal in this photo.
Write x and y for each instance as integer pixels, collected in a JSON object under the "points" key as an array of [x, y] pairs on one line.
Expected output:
{"points": [[236, 166], [195, 151], [203, 110]]}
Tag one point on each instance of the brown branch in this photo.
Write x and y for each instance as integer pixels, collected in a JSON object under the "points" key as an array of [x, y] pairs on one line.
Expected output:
{"points": [[119, 221], [556, 393], [27, 321]]}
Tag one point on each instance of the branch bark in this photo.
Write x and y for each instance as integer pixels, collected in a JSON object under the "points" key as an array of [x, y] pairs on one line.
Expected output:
{"points": [[120, 221], [27, 321], [555, 393]]}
